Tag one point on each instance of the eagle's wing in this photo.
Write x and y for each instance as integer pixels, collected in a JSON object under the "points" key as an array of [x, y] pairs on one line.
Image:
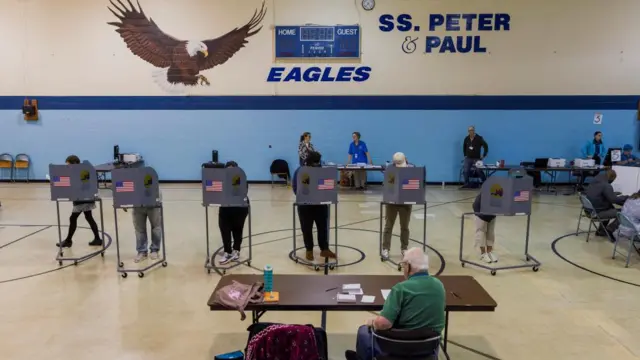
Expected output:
{"points": [[224, 47], [142, 36]]}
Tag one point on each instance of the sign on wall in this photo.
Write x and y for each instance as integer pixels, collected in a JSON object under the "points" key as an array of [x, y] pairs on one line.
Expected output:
{"points": [[317, 41]]}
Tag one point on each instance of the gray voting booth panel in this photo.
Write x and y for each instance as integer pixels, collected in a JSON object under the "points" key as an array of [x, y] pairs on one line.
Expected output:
{"points": [[75, 182], [404, 185], [506, 195], [135, 187], [316, 185], [225, 187]]}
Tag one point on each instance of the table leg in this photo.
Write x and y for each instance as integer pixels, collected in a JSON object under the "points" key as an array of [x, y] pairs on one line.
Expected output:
{"points": [[446, 330], [323, 321]]}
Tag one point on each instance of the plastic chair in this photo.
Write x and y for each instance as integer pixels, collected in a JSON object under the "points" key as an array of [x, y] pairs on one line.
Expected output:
{"points": [[280, 169], [6, 166], [22, 165], [590, 213], [398, 344], [627, 223]]}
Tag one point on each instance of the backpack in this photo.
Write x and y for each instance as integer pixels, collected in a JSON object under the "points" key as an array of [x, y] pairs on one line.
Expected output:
{"points": [[321, 337]]}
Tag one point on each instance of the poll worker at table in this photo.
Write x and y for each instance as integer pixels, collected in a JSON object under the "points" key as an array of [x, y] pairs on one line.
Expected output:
{"points": [[393, 211], [627, 158], [603, 199], [305, 147], [359, 154], [473, 147], [81, 207], [140, 216], [415, 303], [593, 149], [485, 232], [310, 214], [231, 221]]}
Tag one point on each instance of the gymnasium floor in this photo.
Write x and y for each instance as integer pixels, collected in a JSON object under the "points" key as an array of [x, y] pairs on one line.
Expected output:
{"points": [[89, 312]]}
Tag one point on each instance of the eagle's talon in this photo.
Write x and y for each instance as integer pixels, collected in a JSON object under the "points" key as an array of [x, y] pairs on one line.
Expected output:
{"points": [[203, 80]]}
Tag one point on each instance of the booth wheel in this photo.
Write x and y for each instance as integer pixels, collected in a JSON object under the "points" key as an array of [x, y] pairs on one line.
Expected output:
{"points": [[208, 271], [224, 272], [381, 259], [75, 262], [60, 263], [249, 263], [535, 269], [164, 264], [121, 264], [462, 264], [102, 254], [332, 267], [124, 275], [527, 258], [316, 267], [493, 273], [140, 274], [296, 260]]}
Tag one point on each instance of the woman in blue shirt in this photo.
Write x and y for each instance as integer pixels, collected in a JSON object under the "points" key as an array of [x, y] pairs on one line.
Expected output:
{"points": [[358, 153], [593, 149]]}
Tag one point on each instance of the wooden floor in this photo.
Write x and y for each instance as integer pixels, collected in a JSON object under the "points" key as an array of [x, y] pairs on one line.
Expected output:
{"points": [[90, 312]]}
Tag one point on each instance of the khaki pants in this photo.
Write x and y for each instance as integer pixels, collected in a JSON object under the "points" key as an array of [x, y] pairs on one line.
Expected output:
{"points": [[360, 178], [391, 212], [485, 232]]}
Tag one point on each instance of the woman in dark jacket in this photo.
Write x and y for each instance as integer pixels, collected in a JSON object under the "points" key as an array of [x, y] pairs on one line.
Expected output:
{"points": [[81, 207], [305, 147], [485, 232], [231, 222]]}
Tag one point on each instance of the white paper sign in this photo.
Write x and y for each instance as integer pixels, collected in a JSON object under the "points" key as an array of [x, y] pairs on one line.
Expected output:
{"points": [[597, 118]]}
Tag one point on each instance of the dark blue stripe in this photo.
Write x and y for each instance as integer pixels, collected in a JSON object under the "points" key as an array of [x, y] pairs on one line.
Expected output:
{"points": [[399, 102]]}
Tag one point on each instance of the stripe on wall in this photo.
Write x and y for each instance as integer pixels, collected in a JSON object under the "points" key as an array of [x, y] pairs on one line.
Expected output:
{"points": [[399, 102]]}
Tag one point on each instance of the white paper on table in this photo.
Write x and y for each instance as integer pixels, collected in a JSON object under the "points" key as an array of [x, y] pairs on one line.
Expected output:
{"points": [[346, 298], [627, 179], [368, 299], [385, 293], [347, 287], [355, 292]]}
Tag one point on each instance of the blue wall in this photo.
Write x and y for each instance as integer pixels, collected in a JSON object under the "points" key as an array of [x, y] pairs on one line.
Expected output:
{"points": [[430, 132]]}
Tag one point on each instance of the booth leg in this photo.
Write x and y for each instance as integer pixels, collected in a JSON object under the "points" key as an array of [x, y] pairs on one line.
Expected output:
{"points": [[294, 234], [60, 252], [250, 240], [380, 227], [424, 229], [461, 240], [526, 241], [335, 230], [102, 228], [115, 222], [164, 247], [208, 261]]}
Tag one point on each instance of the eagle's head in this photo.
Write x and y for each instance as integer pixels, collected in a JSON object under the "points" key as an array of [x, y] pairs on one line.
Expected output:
{"points": [[194, 47]]}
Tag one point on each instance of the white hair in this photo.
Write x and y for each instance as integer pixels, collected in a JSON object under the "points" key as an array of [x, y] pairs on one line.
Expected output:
{"points": [[399, 159], [418, 260]]}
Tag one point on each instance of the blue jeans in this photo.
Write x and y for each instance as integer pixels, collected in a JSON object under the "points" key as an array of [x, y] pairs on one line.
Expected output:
{"points": [[366, 348], [466, 170], [140, 216]]}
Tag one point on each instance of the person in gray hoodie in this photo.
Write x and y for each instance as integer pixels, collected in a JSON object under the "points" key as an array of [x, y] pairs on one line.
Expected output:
{"points": [[601, 195]]}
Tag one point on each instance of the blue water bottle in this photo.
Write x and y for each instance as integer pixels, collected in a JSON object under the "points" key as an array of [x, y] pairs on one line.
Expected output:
{"points": [[268, 278]]}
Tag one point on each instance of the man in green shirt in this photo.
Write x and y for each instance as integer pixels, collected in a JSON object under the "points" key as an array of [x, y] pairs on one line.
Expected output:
{"points": [[415, 303]]}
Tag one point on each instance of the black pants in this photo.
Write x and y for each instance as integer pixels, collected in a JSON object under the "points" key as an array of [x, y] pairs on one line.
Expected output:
{"points": [[318, 214], [583, 175], [231, 222], [73, 224]]}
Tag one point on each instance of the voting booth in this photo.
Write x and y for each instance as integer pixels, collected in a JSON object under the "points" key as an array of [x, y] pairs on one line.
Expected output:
{"points": [[136, 188], [403, 186], [316, 186], [224, 187], [75, 182], [505, 196]]}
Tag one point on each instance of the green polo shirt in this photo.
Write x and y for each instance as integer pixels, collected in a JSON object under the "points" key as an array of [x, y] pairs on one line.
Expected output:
{"points": [[415, 303]]}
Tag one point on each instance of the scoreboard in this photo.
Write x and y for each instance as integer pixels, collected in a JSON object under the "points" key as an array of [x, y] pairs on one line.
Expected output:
{"points": [[316, 41]]}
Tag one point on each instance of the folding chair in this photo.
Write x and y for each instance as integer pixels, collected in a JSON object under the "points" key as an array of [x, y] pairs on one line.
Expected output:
{"points": [[22, 166], [590, 213], [6, 166], [627, 223], [405, 344]]}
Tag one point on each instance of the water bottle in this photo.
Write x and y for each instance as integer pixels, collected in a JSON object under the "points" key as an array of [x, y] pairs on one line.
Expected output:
{"points": [[268, 278]]}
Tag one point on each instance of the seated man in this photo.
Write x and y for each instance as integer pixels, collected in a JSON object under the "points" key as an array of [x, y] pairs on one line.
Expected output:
{"points": [[627, 158], [415, 303], [601, 195]]}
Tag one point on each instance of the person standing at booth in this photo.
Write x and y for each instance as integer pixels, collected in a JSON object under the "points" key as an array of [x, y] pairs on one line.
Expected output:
{"points": [[359, 153], [81, 207], [471, 150], [140, 216], [305, 147], [231, 222], [310, 214], [485, 232], [392, 211]]}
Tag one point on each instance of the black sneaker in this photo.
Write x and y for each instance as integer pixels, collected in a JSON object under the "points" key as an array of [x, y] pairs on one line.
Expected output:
{"points": [[96, 242], [351, 355], [65, 244]]}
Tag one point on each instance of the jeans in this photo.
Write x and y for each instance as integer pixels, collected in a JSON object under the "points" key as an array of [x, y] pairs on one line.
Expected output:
{"points": [[318, 214], [366, 348], [466, 170], [392, 212], [140, 216]]}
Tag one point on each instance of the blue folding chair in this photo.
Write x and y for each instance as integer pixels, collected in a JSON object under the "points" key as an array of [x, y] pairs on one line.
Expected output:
{"points": [[627, 223]]}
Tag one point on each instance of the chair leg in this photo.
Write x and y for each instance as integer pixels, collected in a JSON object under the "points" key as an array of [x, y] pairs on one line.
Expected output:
{"points": [[628, 252], [579, 220], [589, 231]]}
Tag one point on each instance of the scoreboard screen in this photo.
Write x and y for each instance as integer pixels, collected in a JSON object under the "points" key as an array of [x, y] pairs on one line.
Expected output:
{"points": [[315, 41]]}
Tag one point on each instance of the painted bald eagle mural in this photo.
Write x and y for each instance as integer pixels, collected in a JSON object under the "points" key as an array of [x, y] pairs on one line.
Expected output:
{"points": [[180, 62]]}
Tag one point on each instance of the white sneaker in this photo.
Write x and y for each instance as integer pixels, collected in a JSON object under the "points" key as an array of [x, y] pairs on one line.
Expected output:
{"points": [[225, 258], [493, 256], [402, 252], [140, 257], [385, 254], [154, 255], [235, 255], [486, 258]]}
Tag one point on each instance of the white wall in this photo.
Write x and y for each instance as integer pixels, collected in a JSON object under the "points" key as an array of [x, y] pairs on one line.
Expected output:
{"points": [[65, 47]]}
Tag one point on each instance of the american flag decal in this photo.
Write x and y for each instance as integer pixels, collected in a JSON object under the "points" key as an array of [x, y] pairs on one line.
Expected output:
{"points": [[521, 196], [213, 186], [124, 186], [326, 184], [411, 184], [61, 181]]}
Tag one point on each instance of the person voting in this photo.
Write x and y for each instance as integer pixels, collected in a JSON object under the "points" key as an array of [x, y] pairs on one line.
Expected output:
{"points": [[393, 211]]}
